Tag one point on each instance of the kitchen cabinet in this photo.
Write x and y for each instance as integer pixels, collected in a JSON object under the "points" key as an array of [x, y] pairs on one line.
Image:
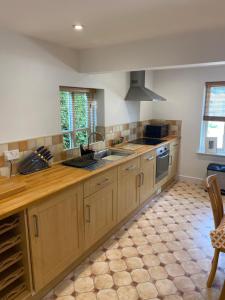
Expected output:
{"points": [[128, 188], [148, 167], [57, 230], [100, 206], [55, 227], [173, 164]]}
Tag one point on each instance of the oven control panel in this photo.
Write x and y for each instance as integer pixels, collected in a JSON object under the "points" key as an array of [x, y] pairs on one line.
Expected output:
{"points": [[161, 150]]}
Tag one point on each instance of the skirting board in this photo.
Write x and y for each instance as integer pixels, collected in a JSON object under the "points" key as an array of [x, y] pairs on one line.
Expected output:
{"points": [[190, 179]]}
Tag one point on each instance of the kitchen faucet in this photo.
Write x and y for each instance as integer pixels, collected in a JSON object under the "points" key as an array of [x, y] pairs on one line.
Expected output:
{"points": [[94, 133], [88, 151]]}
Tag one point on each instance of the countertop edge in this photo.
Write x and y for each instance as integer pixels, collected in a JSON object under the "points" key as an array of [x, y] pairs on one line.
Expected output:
{"points": [[22, 200]]}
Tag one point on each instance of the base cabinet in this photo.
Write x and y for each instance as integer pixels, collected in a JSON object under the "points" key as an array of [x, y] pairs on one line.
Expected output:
{"points": [[148, 167], [55, 227], [128, 188], [63, 226], [100, 213]]}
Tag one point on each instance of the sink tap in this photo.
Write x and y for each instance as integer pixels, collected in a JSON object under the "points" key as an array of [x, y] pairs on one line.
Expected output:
{"points": [[94, 133]]}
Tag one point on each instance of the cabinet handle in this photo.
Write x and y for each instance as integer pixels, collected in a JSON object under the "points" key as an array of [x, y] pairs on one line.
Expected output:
{"points": [[142, 178], [175, 145], [36, 228], [88, 220], [138, 178], [130, 168], [103, 182], [171, 160], [150, 158]]}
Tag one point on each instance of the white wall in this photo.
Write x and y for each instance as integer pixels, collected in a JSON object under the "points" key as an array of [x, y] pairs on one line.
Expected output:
{"points": [[184, 89], [117, 110], [30, 74], [165, 51]]}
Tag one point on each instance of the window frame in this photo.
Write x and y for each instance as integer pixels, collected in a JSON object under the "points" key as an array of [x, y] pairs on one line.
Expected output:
{"points": [[72, 120], [206, 119], [208, 86]]}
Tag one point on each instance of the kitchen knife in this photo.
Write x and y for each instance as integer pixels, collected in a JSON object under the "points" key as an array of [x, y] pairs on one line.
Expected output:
{"points": [[49, 156]]}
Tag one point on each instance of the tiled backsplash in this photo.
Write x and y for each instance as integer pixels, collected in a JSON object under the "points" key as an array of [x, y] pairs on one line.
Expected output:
{"points": [[134, 130], [54, 143], [129, 131]]}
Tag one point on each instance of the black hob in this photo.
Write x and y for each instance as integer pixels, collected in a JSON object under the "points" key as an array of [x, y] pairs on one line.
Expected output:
{"points": [[147, 141]]}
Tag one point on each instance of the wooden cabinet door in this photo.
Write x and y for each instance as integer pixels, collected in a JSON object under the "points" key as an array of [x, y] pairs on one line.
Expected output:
{"points": [[148, 163], [55, 227], [128, 188], [173, 159], [100, 212]]}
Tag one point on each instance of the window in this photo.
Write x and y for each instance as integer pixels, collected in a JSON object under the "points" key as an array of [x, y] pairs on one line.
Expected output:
{"points": [[78, 111], [214, 114]]}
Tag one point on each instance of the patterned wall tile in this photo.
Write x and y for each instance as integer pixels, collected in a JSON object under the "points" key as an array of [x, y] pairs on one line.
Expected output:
{"points": [[13, 146], [111, 134], [2, 161]]}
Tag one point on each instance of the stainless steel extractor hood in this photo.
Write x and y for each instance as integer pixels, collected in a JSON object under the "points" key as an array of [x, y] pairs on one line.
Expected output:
{"points": [[138, 91]]}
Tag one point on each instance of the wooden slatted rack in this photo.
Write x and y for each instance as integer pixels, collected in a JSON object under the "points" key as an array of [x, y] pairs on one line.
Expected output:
{"points": [[13, 282]]}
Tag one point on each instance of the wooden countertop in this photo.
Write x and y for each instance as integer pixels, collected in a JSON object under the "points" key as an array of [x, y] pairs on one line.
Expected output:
{"points": [[44, 183]]}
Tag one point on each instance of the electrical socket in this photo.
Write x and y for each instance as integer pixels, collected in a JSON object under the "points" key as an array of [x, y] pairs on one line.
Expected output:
{"points": [[11, 154]]}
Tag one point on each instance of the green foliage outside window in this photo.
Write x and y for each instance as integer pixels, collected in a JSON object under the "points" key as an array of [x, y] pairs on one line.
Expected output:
{"points": [[64, 96], [75, 118], [81, 137], [67, 141], [81, 110]]}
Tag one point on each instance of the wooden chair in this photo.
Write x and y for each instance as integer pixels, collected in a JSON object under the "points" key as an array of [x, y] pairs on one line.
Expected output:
{"points": [[222, 295], [217, 235]]}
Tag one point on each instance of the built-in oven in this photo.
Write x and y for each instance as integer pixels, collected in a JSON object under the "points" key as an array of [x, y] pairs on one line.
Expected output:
{"points": [[162, 162]]}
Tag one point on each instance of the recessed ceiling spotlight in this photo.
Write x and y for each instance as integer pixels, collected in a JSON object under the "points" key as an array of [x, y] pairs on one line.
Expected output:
{"points": [[78, 27]]}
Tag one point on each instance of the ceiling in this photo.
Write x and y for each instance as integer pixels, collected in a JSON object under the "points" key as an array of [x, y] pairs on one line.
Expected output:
{"points": [[109, 22]]}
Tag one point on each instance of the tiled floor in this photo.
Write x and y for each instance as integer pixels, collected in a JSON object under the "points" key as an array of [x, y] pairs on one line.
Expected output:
{"points": [[162, 253]]}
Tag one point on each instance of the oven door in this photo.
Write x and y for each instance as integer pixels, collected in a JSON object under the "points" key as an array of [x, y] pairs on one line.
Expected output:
{"points": [[162, 165]]}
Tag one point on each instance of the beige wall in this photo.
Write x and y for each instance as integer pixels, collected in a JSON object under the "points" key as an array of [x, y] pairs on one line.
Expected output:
{"points": [[117, 110], [184, 90]]}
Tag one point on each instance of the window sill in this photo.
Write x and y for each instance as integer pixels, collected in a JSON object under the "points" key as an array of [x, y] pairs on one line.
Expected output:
{"points": [[218, 154]]}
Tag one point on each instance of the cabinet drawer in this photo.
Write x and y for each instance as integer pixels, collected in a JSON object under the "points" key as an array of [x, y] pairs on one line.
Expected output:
{"points": [[98, 182], [130, 166]]}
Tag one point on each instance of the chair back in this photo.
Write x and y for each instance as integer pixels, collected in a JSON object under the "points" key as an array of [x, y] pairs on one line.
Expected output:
{"points": [[215, 199]]}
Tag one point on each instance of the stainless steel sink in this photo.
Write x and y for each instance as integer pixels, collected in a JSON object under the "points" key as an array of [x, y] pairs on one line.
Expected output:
{"points": [[107, 156], [112, 154], [100, 159]]}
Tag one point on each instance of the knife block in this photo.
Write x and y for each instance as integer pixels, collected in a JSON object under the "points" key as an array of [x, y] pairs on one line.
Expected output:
{"points": [[33, 163]]}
